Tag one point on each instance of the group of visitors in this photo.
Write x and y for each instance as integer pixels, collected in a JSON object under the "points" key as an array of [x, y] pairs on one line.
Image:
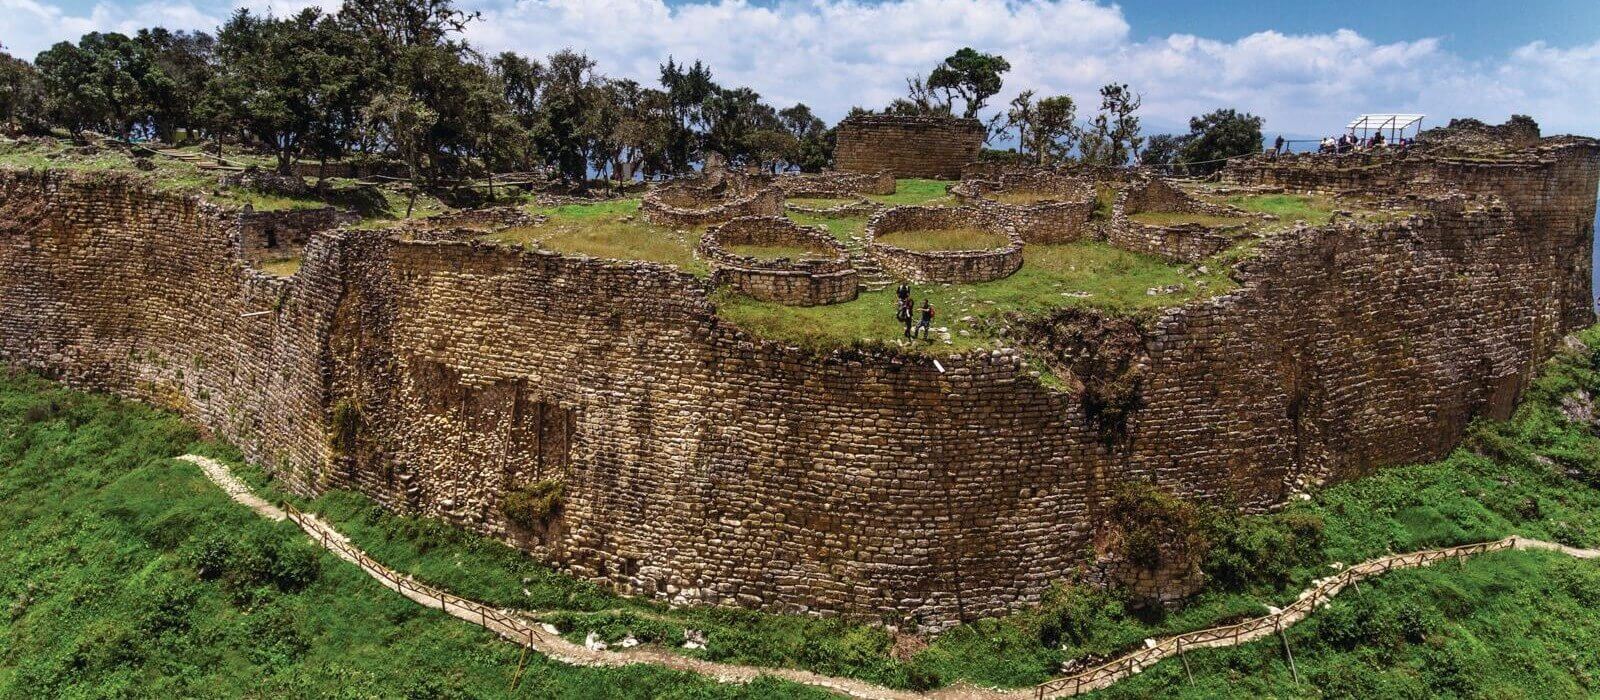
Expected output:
{"points": [[1347, 143], [906, 312]]}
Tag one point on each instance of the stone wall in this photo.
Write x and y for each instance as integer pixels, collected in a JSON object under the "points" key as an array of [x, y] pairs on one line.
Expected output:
{"points": [[703, 465], [930, 147], [690, 204], [1060, 216], [835, 184], [116, 287], [1179, 242], [954, 266], [276, 234], [824, 278]]}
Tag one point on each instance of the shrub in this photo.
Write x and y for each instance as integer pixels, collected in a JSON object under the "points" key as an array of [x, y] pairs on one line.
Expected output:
{"points": [[532, 507], [1250, 551], [1159, 530]]}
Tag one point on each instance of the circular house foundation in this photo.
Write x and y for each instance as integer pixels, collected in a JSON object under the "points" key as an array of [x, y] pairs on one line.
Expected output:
{"points": [[774, 259], [1152, 216], [704, 202], [1042, 206], [944, 244]]}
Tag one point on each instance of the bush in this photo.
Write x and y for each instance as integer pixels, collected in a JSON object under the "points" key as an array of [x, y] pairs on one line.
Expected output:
{"points": [[1252, 551], [532, 507], [252, 561], [1159, 530]]}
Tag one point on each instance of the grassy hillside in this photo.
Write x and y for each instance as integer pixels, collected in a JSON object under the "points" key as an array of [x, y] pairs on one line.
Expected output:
{"points": [[126, 574], [123, 572]]}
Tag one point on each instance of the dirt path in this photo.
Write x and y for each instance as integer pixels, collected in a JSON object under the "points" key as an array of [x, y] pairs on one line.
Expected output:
{"points": [[516, 627]]}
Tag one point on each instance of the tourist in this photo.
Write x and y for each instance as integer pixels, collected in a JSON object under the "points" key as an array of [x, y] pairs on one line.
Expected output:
{"points": [[1277, 145], [904, 313], [927, 320], [1377, 140], [903, 291]]}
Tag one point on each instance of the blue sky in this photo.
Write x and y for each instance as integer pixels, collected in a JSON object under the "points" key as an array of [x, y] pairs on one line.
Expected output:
{"points": [[1305, 66]]}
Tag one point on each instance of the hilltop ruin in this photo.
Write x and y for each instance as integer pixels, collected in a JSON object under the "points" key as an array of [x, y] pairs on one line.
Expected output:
{"points": [[602, 415]]}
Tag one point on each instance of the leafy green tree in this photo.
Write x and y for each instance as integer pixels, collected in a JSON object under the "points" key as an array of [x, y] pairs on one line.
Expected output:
{"points": [[813, 141], [1113, 136], [1217, 136], [401, 120], [96, 84], [183, 63], [689, 90], [1164, 150], [565, 117], [1046, 131], [971, 75], [21, 95]]}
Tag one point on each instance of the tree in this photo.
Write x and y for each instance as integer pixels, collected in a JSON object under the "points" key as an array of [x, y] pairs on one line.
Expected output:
{"points": [[1164, 150], [1113, 136], [183, 63], [970, 75], [401, 120], [813, 140], [1217, 136], [21, 94], [1045, 130], [920, 101], [97, 83], [688, 92], [565, 118]]}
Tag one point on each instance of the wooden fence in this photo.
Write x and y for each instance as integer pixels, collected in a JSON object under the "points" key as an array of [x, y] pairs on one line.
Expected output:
{"points": [[534, 637], [508, 626], [1255, 628]]}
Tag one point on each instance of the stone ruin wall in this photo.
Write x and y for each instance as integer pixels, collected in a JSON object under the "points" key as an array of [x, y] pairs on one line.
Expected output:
{"points": [[114, 287], [703, 465], [825, 278], [1179, 242], [943, 266], [928, 147], [264, 235], [1064, 219]]}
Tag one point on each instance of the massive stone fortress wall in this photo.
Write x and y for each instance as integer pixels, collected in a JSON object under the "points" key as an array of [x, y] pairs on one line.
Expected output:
{"points": [[701, 464], [933, 147]]}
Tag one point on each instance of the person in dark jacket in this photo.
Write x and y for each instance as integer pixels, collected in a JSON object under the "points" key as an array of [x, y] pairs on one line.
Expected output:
{"points": [[904, 314], [927, 320]]}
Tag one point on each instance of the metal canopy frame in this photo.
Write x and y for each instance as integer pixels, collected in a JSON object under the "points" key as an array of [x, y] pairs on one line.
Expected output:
{"points": [[1396, 124]]}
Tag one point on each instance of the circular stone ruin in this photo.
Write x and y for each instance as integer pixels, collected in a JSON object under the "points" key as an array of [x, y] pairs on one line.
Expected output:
{"points": [[1042, 206], [820, 274], [1208, 230], [707, 201], [892, 238]]}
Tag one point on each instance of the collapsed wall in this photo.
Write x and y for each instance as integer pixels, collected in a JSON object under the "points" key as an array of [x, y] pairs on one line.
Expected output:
{"points": [[699, 464]]}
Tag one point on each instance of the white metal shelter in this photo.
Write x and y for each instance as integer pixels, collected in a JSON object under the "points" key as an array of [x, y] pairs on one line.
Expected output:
{"points": [[1395, 124]]}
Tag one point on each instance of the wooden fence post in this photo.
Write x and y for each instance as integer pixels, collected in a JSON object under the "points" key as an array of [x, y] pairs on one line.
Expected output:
{"points": [[1294, 673], [1185, 658]]}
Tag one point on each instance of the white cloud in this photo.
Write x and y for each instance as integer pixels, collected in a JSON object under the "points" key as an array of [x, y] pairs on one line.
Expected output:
{"points": [[832, 54]]}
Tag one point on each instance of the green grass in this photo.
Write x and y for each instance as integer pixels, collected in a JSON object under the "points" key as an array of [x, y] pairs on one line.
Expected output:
{"points": [[840, 227], [282, 267], [1174, 218], [962, 238], [611, 229], [1314, 210], [126, 574], [917, 191], [1105, 200], [1052, 277]]}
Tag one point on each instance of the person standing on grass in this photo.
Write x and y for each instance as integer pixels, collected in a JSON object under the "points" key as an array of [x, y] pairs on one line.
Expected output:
{"points": [[904, 313], [927, 320]]}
